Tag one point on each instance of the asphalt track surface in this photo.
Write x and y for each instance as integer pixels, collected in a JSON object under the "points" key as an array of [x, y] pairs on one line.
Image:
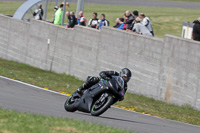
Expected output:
{"points": [[147, 3], [22, 97]]}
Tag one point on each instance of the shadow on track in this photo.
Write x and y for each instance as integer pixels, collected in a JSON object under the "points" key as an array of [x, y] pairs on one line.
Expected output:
{"points": [[119, 119]]}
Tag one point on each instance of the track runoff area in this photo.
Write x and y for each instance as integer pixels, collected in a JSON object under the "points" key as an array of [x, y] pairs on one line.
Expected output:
{"points": [[23, 97]]}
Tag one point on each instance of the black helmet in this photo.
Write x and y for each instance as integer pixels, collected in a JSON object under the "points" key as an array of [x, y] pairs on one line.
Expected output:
{"points": [[125, 74]]}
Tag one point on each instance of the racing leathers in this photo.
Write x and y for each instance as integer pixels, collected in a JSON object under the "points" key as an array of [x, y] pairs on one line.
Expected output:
{"points": [[106, 75]]}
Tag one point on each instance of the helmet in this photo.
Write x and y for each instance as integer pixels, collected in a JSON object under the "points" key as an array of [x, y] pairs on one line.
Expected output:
{"points": [[125, 73]]}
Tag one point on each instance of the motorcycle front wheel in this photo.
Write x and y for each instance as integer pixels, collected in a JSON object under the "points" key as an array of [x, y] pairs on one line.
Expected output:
{"points": [[69, 104], [97, 109]]}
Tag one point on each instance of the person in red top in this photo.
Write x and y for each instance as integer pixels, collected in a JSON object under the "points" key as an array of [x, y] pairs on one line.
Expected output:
{"points": [[81, 19], [126, 19]]}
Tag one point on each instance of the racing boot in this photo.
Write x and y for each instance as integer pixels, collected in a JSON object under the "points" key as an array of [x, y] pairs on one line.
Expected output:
{"points": [[80, 90], [89, 83]]}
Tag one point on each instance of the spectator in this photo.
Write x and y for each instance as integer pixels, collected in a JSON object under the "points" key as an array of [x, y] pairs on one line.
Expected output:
{"points": [[125, 19], [121, 22], [135, 15], [72, 21], [93, 23], [72, 13], [103, 21], [58, 15], [196, 30], [55, 9], [76, 21], [140, 28], [129, 21], [146, 22], [38, 13], [117, 23], [82, 20]]}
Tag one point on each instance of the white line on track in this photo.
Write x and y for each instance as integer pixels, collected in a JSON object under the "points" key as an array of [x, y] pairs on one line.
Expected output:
{"points": [[17, 81]]}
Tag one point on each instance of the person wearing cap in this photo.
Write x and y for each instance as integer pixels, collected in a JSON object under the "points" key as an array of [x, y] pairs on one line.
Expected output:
{"points": [[146, 22], [55, 9], [58, 15], [141, 29], [196, 30]]}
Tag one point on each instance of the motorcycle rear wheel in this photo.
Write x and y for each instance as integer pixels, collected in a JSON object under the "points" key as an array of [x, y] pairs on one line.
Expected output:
{"points": [[96, 112], [69, 105]]}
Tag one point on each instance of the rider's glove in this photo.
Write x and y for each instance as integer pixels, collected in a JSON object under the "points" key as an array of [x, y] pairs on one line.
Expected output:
{"points": [[104, 77]]}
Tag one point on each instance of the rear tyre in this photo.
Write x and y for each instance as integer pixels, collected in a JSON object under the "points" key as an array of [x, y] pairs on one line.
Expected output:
{"points": [[69, 105], [95, 111]]}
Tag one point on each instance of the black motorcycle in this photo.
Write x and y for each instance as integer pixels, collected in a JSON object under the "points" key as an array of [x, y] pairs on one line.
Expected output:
{"points": [[98, 98]]}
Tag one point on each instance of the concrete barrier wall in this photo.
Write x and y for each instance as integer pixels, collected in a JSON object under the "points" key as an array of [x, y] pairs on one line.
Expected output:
{"points": [[167, 70], [179, 76]]}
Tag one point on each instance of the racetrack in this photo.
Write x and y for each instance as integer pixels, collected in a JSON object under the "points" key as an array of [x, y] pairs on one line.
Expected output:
{"points": [[26, 98], [151, 3]]}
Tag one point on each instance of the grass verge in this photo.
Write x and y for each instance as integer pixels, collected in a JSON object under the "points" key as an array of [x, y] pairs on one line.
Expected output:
{"points": [[68, 84], [15, 122], [164, 20]]}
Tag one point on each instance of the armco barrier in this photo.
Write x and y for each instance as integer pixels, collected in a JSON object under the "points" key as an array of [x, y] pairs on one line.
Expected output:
{"points": [[166, 70]]}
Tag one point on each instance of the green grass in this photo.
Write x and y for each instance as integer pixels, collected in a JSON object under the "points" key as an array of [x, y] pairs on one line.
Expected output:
{"points": [[15, 122], [68, 84], [164, 20]]}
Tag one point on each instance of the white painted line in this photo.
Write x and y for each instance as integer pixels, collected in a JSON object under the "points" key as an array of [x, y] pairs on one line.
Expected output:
{"points": [[17, 81]]}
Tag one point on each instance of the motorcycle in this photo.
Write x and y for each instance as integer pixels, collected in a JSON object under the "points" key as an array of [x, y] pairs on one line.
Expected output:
{"points": [[98, 98]]}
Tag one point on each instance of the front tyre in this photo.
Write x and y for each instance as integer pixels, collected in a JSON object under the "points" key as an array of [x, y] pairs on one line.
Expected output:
{"points": [[69, 105], [97, 110]]}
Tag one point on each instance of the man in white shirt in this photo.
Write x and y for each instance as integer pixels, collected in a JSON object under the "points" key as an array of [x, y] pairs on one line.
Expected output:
{"points": [[146, 22]]}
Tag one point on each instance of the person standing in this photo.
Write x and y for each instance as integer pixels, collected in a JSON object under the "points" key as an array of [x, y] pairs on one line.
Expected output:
{"points": [[55, 9], [72, 21], [129, 21], [103, 21], [81, 19], [58, 15], [135, 15], [93, 23], [146, 22], [196, 30], [38, 13]]}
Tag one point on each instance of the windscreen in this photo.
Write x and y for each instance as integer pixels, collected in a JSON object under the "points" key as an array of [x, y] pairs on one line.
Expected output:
{"points": [[120, 82]]}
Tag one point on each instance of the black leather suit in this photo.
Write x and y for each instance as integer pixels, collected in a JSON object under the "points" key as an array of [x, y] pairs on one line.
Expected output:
{"points": [[105, 75]]}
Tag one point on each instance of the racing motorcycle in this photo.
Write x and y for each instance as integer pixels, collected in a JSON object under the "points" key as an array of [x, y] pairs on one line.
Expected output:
{"points": [[98, 98]]}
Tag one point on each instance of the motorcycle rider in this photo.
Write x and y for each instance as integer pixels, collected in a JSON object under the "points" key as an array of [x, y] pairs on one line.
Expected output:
{"points": [[125, 73]]}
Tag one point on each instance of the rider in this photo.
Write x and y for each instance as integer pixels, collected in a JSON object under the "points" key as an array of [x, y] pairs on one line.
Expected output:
{"points": [[125, 73]]}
